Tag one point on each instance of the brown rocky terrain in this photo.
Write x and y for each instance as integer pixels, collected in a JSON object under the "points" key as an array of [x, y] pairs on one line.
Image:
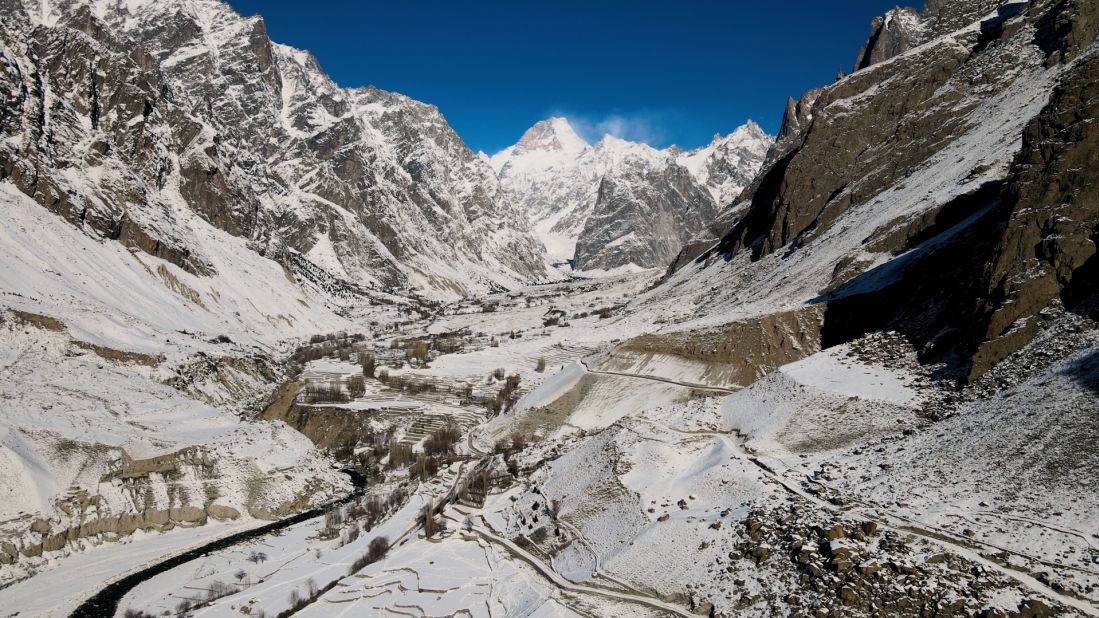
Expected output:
{"points": [[972, 270]]}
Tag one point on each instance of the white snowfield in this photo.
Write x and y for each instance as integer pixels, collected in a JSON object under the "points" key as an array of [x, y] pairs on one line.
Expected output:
{"points": [[827, 397], [552, 388], [110, 296], [454, 576], [835, 372]]}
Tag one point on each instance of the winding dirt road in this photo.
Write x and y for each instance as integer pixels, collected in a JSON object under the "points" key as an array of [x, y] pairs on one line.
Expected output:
{"points": [[695, 386]]}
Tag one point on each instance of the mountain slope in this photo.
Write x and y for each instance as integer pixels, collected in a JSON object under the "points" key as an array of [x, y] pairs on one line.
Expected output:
{"points": [[557, 180], [886, 194], [182, 202], [124, 113]]}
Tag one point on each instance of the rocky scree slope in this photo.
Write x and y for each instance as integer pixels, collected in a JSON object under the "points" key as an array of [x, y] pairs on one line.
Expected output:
{"points": [[125, 117], [619, 202]]}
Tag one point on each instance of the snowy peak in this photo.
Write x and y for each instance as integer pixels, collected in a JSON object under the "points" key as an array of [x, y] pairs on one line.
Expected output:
{"points": [[611, 153], [554, 176], [551, 135], [747, 133], [728, 164]]}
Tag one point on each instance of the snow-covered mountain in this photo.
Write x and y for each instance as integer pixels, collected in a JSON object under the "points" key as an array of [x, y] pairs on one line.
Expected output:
{"points": [[181, 202], [728, 163], [926, 192], [581, 198], [185, 108]]}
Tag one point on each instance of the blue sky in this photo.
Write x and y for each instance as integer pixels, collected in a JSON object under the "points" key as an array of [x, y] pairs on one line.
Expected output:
{"points": [[660, 72]]}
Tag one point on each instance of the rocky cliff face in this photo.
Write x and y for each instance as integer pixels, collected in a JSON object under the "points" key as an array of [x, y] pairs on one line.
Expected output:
{"points": [[1050, 222], [125, 117], [589, 203], [643, 218], [891, 34], [995, 260], [938, 191]]}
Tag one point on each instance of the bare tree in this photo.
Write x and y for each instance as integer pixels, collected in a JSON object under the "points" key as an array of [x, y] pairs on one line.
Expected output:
{"points": [[356, 386], [428, 515], [368, 363]]}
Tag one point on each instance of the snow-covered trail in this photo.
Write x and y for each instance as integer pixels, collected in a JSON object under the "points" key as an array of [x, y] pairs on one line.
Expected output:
{"points": [[563, 584], [699, 387]]}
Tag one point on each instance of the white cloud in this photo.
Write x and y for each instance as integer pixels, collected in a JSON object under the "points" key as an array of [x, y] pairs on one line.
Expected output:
{"points": [[640, 126]]}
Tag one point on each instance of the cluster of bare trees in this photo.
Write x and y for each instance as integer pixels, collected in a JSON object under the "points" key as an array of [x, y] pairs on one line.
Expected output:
{"points": [[438, 445], [340, 345], [372, 510], [508, 447], [216, 590], [400, 455], [367, 362], [298, 600], [554, 320], [340, 337], [356, 386], [406, 384], [442, 440], [507, 395], [427, 515], [475, 488], [324, 392], [377, 550], [511, 444], [425, 467], [417, 353]]}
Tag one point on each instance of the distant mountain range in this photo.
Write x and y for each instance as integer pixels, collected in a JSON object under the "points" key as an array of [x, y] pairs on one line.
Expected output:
{"points": [[617, 202]]}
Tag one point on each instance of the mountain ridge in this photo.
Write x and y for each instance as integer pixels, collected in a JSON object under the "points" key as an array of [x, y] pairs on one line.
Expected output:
{"points": [[268, 147], [555, 177]]}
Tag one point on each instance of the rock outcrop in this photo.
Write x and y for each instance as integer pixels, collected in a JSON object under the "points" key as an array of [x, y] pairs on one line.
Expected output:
{"points": [[890, 35], [1050, 214], [643, 218]]}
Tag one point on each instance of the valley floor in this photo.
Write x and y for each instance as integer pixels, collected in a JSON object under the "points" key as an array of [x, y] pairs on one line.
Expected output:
{"points": [[847, 483]]}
